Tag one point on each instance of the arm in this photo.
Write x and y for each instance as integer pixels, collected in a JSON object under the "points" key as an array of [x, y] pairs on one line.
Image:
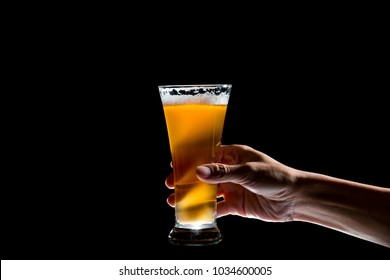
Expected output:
{"points": [[254, 185], [353, 208]]}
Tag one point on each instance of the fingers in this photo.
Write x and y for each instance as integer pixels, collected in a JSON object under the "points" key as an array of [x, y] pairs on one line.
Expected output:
{"points": [[236, 154], [221, 173], [171, 200], [220, 191], [222, 209], [169, 181]]}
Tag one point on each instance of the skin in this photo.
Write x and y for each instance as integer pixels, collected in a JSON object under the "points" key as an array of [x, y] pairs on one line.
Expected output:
{"points": [[254, 185]]}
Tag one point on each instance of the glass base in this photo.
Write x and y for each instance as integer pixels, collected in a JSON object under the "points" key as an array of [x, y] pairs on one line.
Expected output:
{"points": [[194, 237]]}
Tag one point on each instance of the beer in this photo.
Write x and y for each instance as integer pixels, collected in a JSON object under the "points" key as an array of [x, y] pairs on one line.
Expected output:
{"points": [[194, 115], [194, 132]]}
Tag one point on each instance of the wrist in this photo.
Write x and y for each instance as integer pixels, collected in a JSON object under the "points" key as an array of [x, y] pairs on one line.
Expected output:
{"points": [[306, 192]]}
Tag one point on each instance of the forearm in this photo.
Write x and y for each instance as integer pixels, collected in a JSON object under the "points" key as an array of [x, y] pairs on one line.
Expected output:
{"points": [[350, 207]]}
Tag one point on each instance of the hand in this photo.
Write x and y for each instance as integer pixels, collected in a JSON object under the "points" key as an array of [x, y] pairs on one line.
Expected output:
{"points": [[251, 184]]}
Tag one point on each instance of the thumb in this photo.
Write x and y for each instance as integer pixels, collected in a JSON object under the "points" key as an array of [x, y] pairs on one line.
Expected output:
{"points": [[221, 173]]}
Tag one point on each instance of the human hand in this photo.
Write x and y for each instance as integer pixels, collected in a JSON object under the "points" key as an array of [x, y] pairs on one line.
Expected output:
{"points": [[250, 183]]}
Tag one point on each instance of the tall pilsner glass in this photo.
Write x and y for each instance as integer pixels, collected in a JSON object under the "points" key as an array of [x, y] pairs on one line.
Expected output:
{"points": [[194, 115]]}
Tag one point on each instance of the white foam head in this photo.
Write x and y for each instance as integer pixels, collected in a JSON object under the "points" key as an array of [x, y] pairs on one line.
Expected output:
{"points": [[215, 94]]}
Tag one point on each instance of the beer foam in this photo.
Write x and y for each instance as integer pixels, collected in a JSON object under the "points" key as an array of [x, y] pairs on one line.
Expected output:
{"points": [[214, 95], [198, 99]]}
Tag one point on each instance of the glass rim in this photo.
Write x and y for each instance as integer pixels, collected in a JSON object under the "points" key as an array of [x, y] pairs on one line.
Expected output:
{"points": [[194, 85]]}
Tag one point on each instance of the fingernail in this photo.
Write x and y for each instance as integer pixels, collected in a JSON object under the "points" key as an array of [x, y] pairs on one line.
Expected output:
{"points": [[203, 171]]}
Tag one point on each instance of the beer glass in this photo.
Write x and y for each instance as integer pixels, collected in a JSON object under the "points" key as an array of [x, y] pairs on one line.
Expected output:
{"points": [[194, 116]]}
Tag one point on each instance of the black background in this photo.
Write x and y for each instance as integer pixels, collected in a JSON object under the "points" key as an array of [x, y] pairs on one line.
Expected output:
{"points": [[90, 150]]}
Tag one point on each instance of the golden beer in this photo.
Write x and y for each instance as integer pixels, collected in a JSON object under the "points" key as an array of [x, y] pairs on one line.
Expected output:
{"points": [[194, 116], [195, 132]]}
